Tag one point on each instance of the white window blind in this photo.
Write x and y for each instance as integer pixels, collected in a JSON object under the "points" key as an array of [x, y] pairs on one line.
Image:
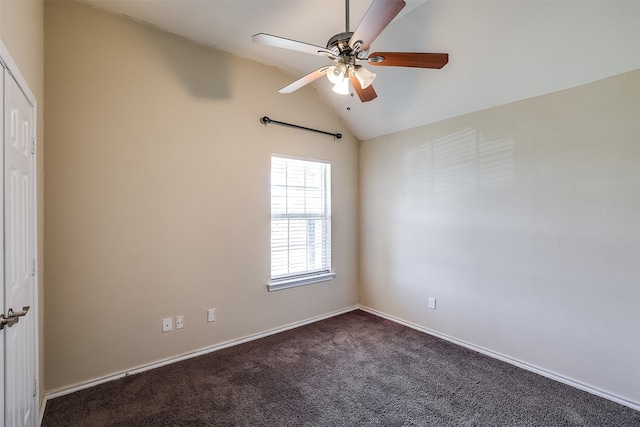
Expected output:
{"points": [[300, 218]]}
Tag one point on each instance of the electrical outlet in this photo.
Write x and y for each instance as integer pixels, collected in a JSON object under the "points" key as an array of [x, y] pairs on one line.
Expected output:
{"points": [[179, 322], [211, 315], [167, 324], [432, 303]]}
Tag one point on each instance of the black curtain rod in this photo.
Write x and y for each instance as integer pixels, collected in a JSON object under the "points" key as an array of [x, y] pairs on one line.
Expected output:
{"points": [[266, 120]]}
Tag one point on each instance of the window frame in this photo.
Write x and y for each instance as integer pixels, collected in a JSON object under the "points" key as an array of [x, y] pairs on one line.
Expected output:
{"points": [[278, 282]]}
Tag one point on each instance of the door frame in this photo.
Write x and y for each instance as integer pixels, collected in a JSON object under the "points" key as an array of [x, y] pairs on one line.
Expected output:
{"points": [[12, 68]]}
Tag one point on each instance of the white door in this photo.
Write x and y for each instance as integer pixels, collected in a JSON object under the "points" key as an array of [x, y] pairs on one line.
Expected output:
{"points": [[19, 254], [2, 307]]}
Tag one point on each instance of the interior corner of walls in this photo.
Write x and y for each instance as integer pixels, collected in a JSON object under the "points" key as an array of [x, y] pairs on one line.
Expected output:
{"points": [[42, 408]]}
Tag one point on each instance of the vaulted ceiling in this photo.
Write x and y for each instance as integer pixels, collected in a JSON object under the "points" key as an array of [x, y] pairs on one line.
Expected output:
{"points": [[499, 51]]}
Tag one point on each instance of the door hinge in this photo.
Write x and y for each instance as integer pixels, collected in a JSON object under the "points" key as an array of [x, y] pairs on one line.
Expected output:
{"points": [[34, 267], [33, 146], [35, 387]]}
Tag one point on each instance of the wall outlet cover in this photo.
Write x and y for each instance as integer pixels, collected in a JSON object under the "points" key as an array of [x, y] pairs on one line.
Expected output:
{"points": [[167, 324], [179, 322], [211, 315], [432, 303]]}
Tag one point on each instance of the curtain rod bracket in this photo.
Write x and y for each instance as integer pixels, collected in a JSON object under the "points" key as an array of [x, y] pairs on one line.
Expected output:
{"points": [[266, 120]]}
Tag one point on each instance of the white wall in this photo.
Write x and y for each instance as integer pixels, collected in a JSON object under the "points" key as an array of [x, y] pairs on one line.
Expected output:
{"points": [[524, 222], [157, 199]]}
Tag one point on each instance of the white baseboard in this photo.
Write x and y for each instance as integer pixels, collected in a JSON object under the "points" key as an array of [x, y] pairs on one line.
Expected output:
{"points": [[502, 357], [87, 384]]}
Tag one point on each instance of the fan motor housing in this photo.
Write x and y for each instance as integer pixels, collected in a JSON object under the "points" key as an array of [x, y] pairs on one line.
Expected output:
{"points": [[339, 44]]}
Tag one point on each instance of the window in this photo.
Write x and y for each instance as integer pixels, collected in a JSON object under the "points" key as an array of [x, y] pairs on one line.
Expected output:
{"points": [[300, 222]]}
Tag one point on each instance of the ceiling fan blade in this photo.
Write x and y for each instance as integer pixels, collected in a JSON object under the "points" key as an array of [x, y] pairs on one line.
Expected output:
{"points": [[276, 41], [305, 80], [365, 95], [408, 59], [377, 17]]}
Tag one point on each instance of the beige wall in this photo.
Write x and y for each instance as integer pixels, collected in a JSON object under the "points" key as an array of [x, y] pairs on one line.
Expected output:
{"points": [[157, 199], [522, 221], [21, 31]]}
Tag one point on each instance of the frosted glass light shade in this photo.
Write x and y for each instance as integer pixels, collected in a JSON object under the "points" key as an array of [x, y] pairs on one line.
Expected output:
{"points": [[337, 73], [364, 76], [342, 88]]}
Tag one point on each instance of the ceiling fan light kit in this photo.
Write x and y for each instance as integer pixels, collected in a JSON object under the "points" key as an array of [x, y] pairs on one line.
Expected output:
{"points": [[348, 47], [364, 76], [337, 73], [342, 88]]}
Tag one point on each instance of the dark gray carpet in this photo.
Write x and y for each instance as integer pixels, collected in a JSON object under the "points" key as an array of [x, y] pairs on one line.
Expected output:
{"points": [[349, 370]]}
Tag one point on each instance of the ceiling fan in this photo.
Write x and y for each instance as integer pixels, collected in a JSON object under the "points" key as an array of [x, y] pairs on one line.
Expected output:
{"points": [[345, 49]]}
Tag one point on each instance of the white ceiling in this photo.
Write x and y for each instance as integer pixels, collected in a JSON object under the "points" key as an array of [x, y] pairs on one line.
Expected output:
{"points": [[499, 51]]}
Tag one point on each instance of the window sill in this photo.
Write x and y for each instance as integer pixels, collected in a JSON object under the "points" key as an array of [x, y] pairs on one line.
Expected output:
{"points": [[277, 285]]}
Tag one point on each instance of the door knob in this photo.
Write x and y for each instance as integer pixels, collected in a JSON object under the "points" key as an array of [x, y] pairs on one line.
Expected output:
{"points": [[19, 313], [12, 317]]}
